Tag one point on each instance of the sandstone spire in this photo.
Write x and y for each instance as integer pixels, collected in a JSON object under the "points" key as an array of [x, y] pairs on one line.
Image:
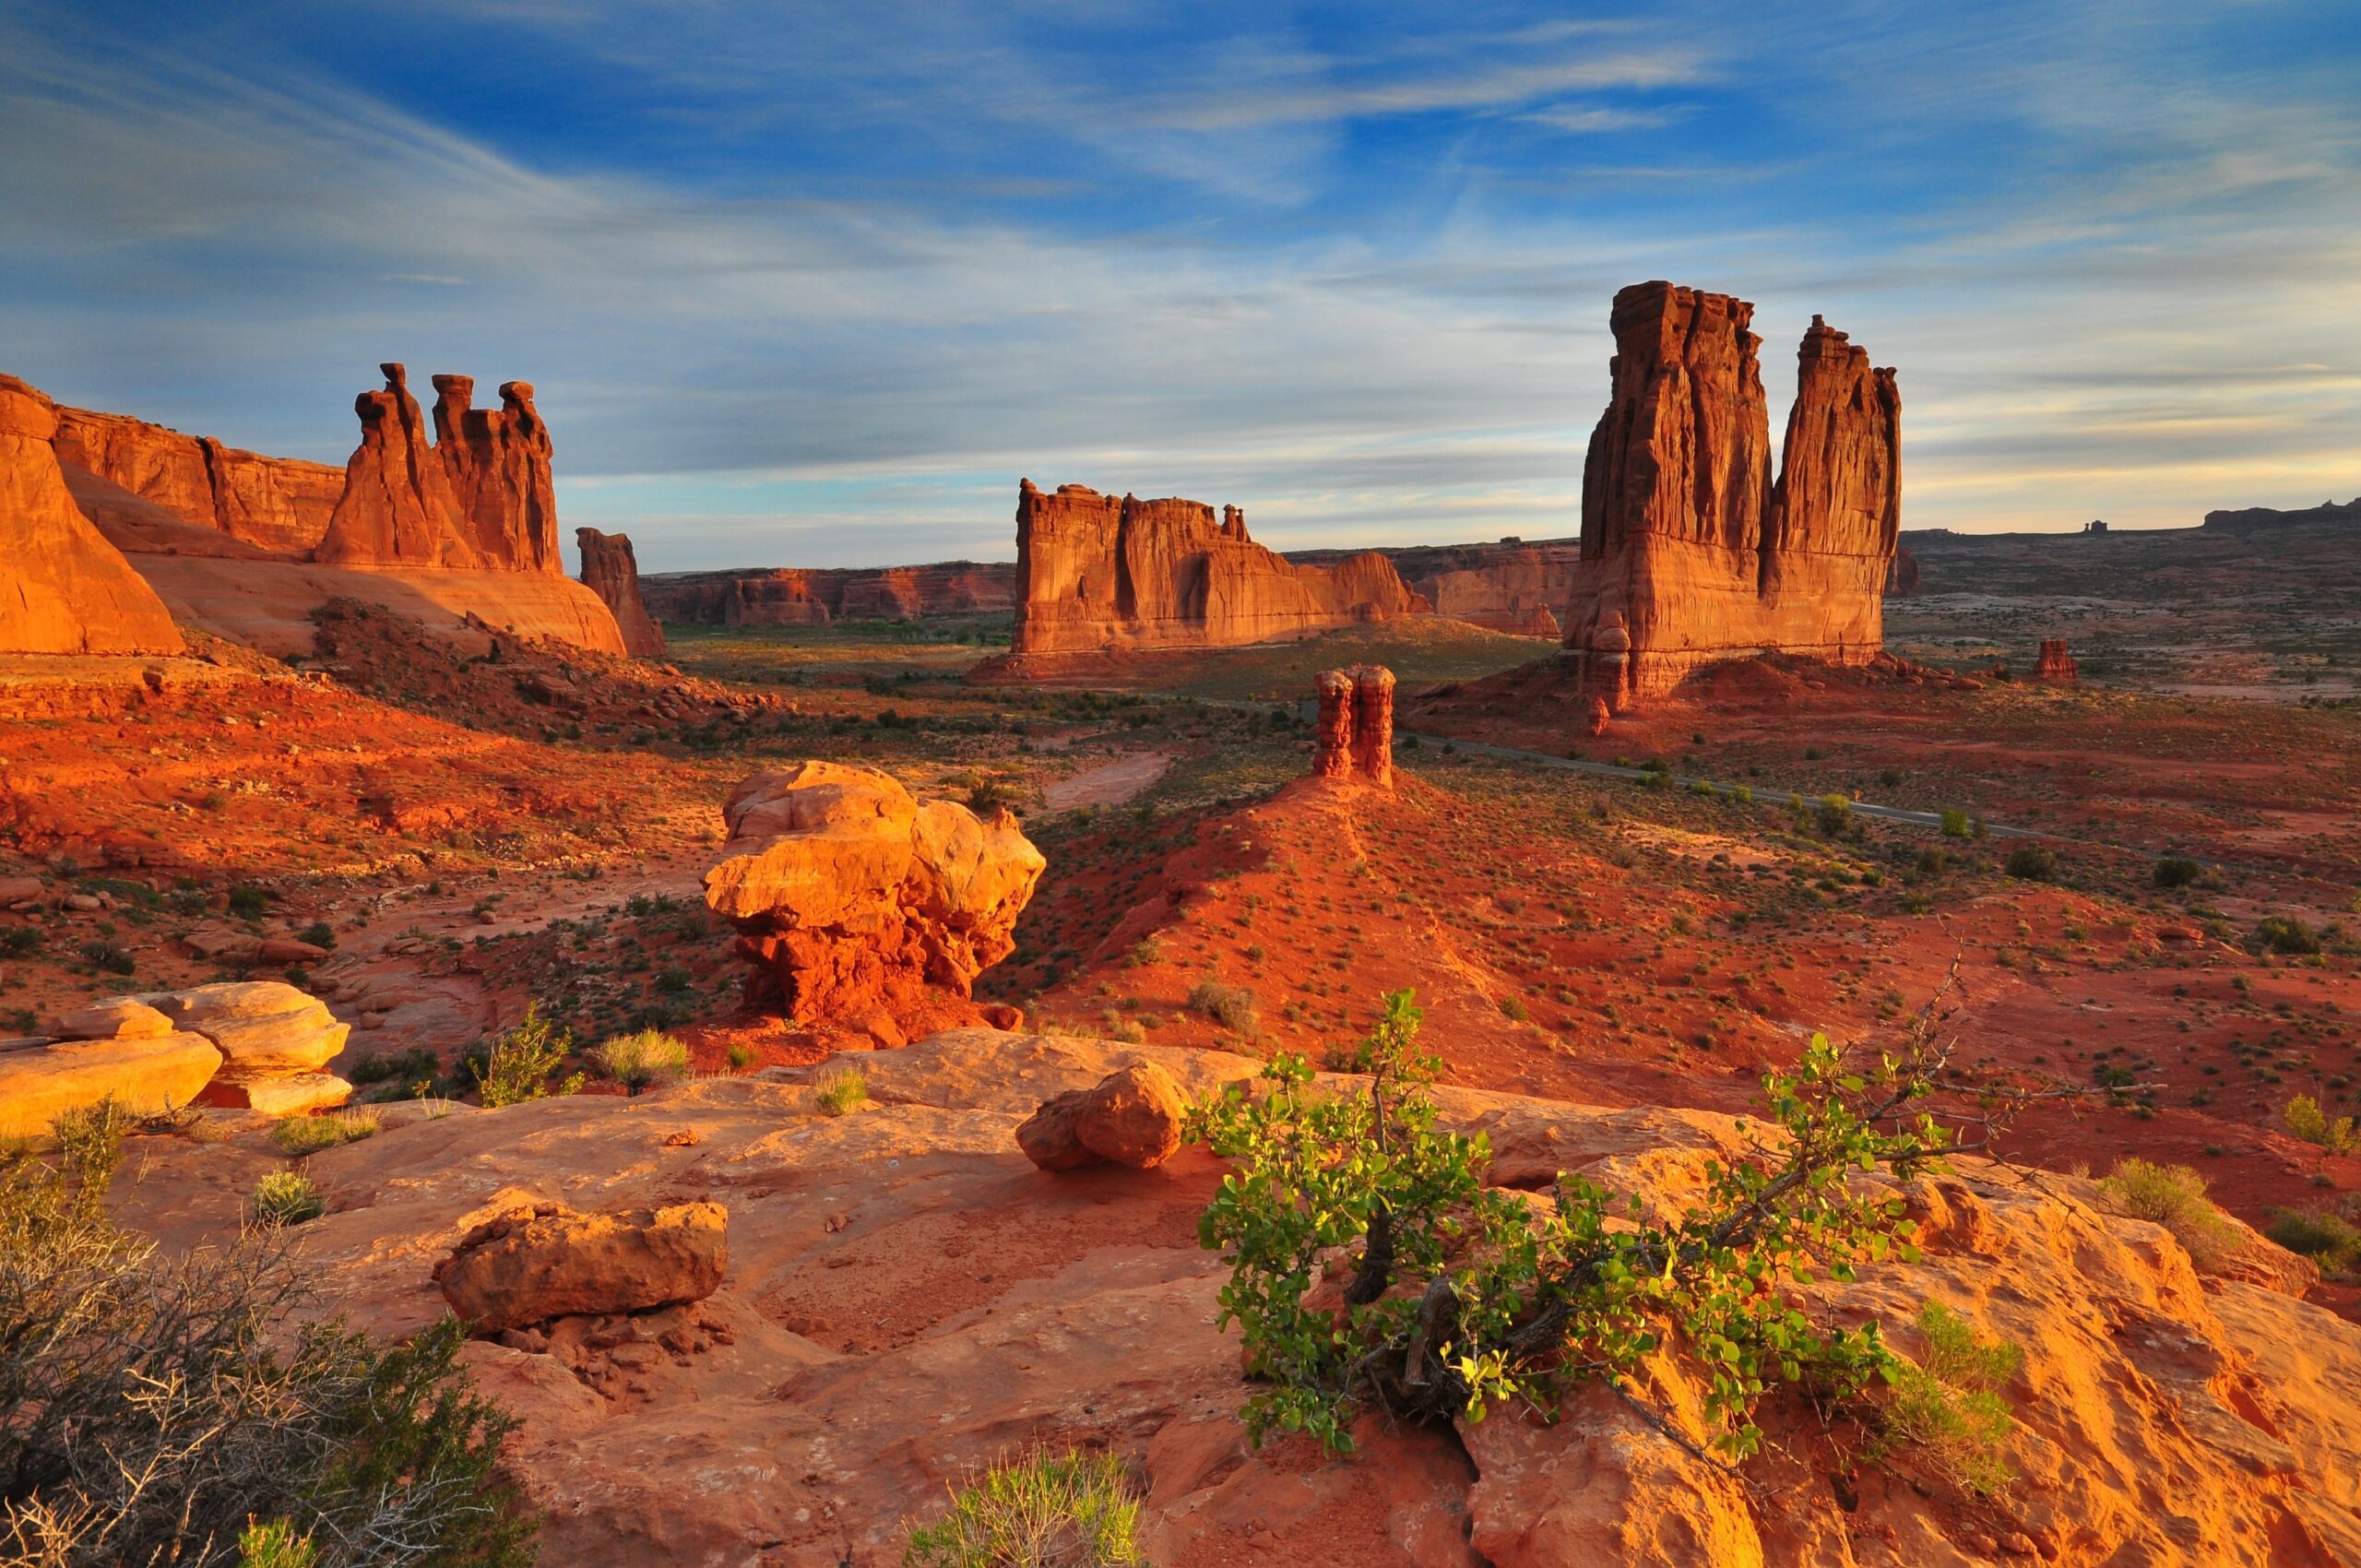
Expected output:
{"points": [[499, 460], [611, 572], [397, 506]]}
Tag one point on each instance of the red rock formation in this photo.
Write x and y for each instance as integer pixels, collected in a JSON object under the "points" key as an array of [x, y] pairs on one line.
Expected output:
{"points": [[1902, 573], [1354, 739], [852, 901], [1132, 1117], [539, 1261], [1597, 721], [2055, 663], [63, 587], [398, 508], [1690, 553], [611, 571], [499, 464], [1508, 586], [794, 597], [1097, 573], [280, 504]]}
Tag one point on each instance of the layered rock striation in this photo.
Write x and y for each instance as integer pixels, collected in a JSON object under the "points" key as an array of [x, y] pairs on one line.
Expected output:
{"points": [[1107, 574], [611, 570], [281, 504], [1690, 552], [857, 904], [63, 587]]}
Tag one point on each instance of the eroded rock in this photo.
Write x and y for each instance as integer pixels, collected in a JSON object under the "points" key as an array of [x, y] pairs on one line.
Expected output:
{"points": [[611, 571], [2056, 664], [1355, 736], [1132, 1117], [533, 1264], [148, 1073]]}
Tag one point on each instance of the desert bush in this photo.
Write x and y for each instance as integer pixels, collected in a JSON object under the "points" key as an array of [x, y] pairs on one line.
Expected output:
{"points": [[1462, 1295], [2172, 1196], [1947, 1407], [1834, 814], [319, 933], [402, 1067], [2285, 933], [740, 1056], [308, 1134], [20, 941], [1147, 950], [1077, 1511], [839, 1091], [168, 1409], [286, 1198], [1231, 1007], [519, 1063], [2032, 862], [248, 902], [2176, 871], [2327, 1238], [1956, 823], [1514, 1009], [111, 956], [2305, 1120], [644, 1058]]}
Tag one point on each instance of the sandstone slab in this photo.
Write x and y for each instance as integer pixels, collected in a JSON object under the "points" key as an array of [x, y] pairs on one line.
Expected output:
{"points": [[147, 1074], [533, 1264]]}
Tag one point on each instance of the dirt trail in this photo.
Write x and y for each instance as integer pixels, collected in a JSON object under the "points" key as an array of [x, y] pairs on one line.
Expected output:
{"points": [[1109, 784]]}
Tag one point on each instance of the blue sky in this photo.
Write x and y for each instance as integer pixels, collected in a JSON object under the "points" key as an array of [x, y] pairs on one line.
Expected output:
{"points": [[815, 285]]}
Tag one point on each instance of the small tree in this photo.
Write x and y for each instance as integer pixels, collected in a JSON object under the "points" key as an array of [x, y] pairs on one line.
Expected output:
{"points": [[521, 1059]]}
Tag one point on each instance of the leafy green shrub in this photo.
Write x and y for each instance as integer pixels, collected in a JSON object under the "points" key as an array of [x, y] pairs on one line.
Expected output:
{"points": [[248, 902], [2281, 934], [839, 1091], [1956, 823], [111, 956], [2172, 1196], [740, 1056], [1231, 1007], [286, 1198], [2033, 862], [154, 1407], [319, 933], [308, 1134], [2328, 1239], [403, 1067], [1514, 1009], [1948, 1407], [1147, 950], [1075, 1512], [2305, 1120], [1462, 1295], [517, 1065], [2176, 871], [644, 1058], [20, 942], [1834, 815]]}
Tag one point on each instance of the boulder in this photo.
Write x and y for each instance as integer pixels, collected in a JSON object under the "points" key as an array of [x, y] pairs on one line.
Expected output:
{"points": [[1133, 1117], [280, 1094], [148, 1073], [533, 1264], [850, 897], [16, 890], [1689, 553], [262, 1027], [112, 1017], [611, 570]]}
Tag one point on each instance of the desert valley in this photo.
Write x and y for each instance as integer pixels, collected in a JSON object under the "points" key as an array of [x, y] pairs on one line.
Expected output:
{"points": [[1740, 1031]]}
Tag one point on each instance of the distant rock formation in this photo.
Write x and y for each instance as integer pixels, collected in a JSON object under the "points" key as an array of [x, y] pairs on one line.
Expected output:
{"points": [[611, 571], [63, 587], [789, 595], [280, 504], [399, 508], [498, 463], [1902, 573], [2267, 516], [1354, 738], [860, 906], [1107, 574], [2055, 664], [1689, 553], [1510, 585]]}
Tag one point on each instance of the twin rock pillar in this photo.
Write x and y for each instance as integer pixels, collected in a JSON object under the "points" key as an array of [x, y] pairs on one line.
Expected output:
{"points": [[1355, 736]]}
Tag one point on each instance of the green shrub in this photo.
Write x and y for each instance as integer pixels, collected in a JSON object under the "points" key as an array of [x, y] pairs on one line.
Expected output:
{"points": [[1077, 1511], [2172, 1196], [2328, 1239], [319, 933], [519, 1063], [276, 1545], [403, 1067], [839, 1091], [111, 956], [308, 1134], [1956, 823], [1834, 815], [1147, 950], [286, 1198], [2305, 1120], [1462, 1295], [740, 1056], [249, 902], [1231, 1007], [1948, 1407], [20, 941], [2283, 933], [2176, 871], [644, 1058], [1514, 1009], [2033, 862]]}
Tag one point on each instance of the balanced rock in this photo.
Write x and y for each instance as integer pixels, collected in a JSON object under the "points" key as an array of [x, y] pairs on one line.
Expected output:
{"points": [[1689, 553], [1132, 1118], [541, 1261], [611, 570], [849, 897], [2056, 664], [63, 587]]}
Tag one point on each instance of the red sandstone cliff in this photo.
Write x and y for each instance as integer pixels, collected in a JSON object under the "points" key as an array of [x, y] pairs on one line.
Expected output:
{"points": [[1097, 573], [611, 571], [797, 595], [1510, 585], [397, 507], [1690, 553], [276, 504], [63, 587]]}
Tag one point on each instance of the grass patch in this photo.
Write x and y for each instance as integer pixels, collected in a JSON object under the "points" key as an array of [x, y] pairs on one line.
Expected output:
{"points": [[2172, 1196], [1948, 1409], [840, 1091], [645, 1058], [1231, 1007], [286, 1198], [299, 1136], [1077, 1511]]}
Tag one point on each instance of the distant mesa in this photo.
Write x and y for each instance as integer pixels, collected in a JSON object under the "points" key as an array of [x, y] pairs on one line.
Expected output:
{"points": [[611, 570], [2097, 525], [1691, 553], [1105, 574], [2267, 516], [1512, 586], [790, 596]]}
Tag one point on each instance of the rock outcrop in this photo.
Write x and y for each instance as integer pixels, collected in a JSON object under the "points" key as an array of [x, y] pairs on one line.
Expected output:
{"points": [[63, 587], [280, 504], [1103, 574], [2055, 664], [398, 508], [852, 900], [537, 1262], [119, 1050], [1902, 573], [789, 596], [1354, 734], [274, 1040], [1131, 1117], [611, 571], [1689, 553], [2272, 517], [1510, 585], [498, 460]]}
